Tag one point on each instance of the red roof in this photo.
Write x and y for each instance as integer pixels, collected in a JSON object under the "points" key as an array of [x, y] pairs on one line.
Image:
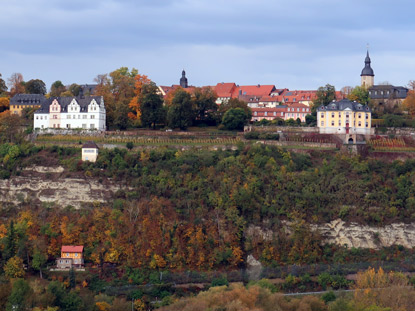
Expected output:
{"points": [[72, 249], [225, 89], [257, 90]]}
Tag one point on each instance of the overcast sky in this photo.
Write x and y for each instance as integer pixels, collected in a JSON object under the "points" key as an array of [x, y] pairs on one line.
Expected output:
{"points": [[295, 44]]}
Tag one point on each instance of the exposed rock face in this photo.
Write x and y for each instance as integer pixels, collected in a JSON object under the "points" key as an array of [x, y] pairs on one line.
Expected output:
{"points": [[254, 268], [359, 236], [47, 184], [353, 234]]}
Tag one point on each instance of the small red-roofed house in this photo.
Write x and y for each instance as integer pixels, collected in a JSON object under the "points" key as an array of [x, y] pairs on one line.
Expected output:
{"points": [[71, 257]]}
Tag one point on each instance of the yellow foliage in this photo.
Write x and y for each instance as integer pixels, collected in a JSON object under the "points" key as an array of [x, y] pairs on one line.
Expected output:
{"points": [[103, 306]]}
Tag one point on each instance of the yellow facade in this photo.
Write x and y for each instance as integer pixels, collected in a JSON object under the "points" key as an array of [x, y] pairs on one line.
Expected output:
{"points": [[344, 117], [17, 109], [76, 255]]}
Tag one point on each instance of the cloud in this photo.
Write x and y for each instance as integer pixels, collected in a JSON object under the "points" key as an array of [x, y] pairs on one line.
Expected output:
{"points": [[295, 44]]}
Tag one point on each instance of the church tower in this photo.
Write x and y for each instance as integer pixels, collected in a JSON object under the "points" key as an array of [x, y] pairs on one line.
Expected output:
{"points": [[367, 76], [183, 80]]}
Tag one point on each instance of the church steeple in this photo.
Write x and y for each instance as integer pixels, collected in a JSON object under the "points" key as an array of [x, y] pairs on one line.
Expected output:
{"points": [[183, 80], [367, 75]]}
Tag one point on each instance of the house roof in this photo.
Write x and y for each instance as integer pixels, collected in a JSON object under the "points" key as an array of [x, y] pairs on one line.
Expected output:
{"points": [[72, 249], [257, 90], [64, 102], [345, 104], [225, 89], [90, 145], [27, 99]]}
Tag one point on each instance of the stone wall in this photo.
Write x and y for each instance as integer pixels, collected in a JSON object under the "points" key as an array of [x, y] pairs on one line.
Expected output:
{"points": [[280, 129]]}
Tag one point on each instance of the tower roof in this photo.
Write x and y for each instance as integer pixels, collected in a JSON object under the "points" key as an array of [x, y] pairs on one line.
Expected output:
{"points": [[367, 70]]}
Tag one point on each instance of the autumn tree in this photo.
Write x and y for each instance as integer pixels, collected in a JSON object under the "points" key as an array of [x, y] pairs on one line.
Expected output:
{"points": [[57, 88], [16, 84], [14, 267], [10, 127], [4, 104], [386, 290], [205, 104], [3, 87], [409, 103], [359, 94], [135, 103], [117, 88], [35, 86], [181, 112], [151, 106]]}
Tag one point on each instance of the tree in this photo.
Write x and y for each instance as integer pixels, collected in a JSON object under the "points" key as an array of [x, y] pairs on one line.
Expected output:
{"points": [[35, 86], [385, 290], [151, 106], [359, 94], [3, 87], [74, 89], [235, 119], [324, 96], [18, 296], [16, 84], [10, 242], [10, 127], [57, 88], [72, 278], [409, 103], [38, 261], [205, 104], [181, 112], [14, 267], [233, 103], [136, 101]]}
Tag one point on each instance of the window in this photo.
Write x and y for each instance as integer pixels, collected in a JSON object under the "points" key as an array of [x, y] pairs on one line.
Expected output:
{"points": [[360, 123], [68, 126], [37, 118], [84, 116], [340, 114], [367, 124], [55, 116], [92, 117], [265, 114], [298, 109], [69, 116], [275, 113], [54, 125], [322, 123], [84, 126], [46, 117], [255, 113], [332, 123], [340, 123], [359, 116], [322, 115], [332, 115], [92, 126], [367, 116]]}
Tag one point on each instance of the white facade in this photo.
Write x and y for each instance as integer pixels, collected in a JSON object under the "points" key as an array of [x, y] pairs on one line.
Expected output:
{"points": [[72, 113], [89, 154]]}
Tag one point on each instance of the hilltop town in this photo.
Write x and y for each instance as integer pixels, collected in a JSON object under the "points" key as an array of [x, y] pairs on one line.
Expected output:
{"points": [[125, 194]]}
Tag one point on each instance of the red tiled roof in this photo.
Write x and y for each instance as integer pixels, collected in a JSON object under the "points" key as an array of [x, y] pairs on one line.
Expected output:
{"points": [[72, 249], [224, 89], [276, 98], [257, 90]]}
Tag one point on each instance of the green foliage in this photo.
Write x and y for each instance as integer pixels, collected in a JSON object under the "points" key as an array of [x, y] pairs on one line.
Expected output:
{"points": [[181, 112], [35, 86], [220, 281], [393, 120], [324, 96], [359, 94], [328, 297], [151, 106], [234, 119], [18, 297]]}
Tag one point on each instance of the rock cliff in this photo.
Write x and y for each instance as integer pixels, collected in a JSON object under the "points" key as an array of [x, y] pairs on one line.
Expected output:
{"points": [[48, 184]]}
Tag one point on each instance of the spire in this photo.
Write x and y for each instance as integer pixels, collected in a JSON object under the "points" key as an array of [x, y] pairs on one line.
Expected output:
{"points": [[183, 80], [367, 71]]}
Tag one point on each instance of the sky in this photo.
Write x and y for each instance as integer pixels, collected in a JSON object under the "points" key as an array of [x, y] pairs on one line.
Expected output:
{"points": [[295, 44]]}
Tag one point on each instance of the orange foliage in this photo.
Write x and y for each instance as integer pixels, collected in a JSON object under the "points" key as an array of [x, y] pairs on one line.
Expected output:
{"points": [[140, 80]]}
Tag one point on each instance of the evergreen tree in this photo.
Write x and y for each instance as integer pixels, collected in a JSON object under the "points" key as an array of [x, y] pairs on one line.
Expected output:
{"points": [[151, 106], [181, 113], [17, 298], [10, 243]]}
